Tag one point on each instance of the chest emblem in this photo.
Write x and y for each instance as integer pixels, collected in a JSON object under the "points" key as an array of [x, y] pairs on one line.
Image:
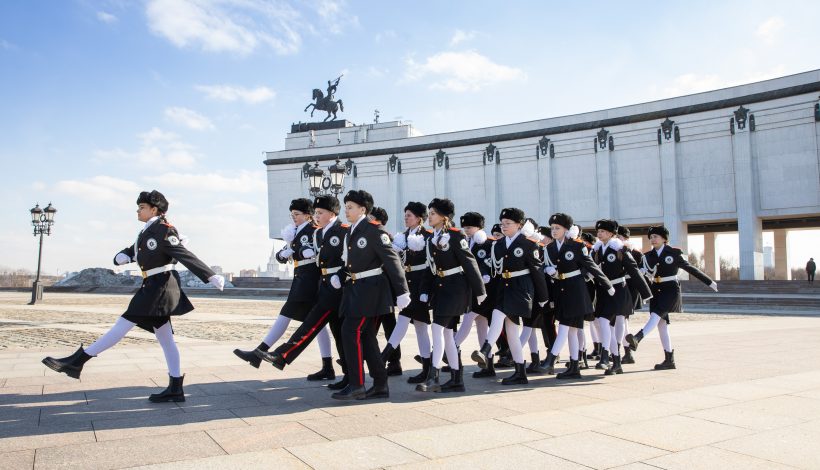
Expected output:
{"points": [[610, 257], [518, 252], [334, 241], [151, 244], [304, 239], [173, 240], [569, 256], [481, 254], [361, 243], [668, 260]]}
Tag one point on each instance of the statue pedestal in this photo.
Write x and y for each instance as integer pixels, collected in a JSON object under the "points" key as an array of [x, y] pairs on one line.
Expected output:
{"points": [[320, 126]]}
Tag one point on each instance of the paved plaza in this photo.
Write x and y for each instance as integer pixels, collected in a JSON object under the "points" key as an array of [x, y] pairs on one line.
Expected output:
{"points": [[746, 395]]}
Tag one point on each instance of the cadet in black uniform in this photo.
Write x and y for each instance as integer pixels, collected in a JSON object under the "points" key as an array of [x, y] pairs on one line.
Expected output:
{"points": [[328, 242], [569, 261], [156, 251], [516, 262], [367, 254], [616, 262], [480, 313], [548, 332], [620, 329], [528, 335], [410, 247], [457, 279], [302, 296], [661, 265], [588, 239], [388, 320]]}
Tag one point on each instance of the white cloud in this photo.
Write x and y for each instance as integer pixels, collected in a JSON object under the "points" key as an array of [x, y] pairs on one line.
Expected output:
{"points": [[158, 149], [769, 29], [384, 35], [335, 15], [461, 36], [7, 45], [188, 118], [241, 182], [106, 17], [240, 208], [238, 26], [461, 71], [256, 95], [100, 189], [690, 83]]}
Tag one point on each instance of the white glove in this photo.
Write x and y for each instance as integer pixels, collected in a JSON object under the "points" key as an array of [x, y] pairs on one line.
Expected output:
{"points": [[415, 242], [486, 278], [443, 239], [399, 241], [286, 253], [289, 232], [713, 285], [403, 300], [423, 298], [611, 291], [481, 298], [541, 304], [217, 281], [551, 271], [183, 239], [121, 259], [335, 282], [308, 253]]}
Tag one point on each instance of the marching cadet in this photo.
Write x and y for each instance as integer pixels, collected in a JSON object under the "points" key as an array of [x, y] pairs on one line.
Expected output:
{"points": [[328, 243], [410, 247], [661, 265], [528, 335], [156, 251], [588, 239], [480, 313], [457, 279], [516, 261], [388, 320], [548, 332], [623, 234], [302, 296], [568, 260], [616, 262], [367, 255], [504, 359]]}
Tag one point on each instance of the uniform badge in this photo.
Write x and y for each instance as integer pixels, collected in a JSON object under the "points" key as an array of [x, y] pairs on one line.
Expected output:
{"points": [[535, 254], [385, 239], [668, 260], [584, 251], [334, 241], [174, 241], [304, 239], [488, 262], [518, 252], [569, 256], [464, 244], [361, 243], [445, 247], [151, 244], [610, 257], [481, 254]]}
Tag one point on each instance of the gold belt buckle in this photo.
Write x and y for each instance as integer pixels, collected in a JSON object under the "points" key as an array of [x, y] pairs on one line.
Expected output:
{"points": [[353, 276], [561, 276], [505, 274], [144, 275], [440, 273], [407, 269], [657, 279], [324, 271]]}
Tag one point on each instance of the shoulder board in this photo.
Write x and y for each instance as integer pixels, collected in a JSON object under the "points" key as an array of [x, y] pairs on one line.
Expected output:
{"points": [[314, 226], [345, 225], [167, 224], [455, 229], [674, 247], [534, 240], [492, 239], [427, 230], [373, 222]]}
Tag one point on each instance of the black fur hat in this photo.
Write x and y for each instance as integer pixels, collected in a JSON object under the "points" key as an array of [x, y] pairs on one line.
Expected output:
{"points": [[659, 230], [328, 203], [417, 208], [301, 205], [588, 237], [379, 215], [155, 199], [545, 231], [361, 198], [564, 220], [607, 224], [444, 207], [624, 231], [496, 229], [472, 219], [512, 213]]}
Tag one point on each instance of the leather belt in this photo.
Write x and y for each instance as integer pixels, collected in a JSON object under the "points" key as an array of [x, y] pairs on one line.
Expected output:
{"points": [[326, 271], [511, 274], [658, 280], [161, 269], [304, 262], [562, 276], [449, 272], [619, 280], [364, 274], [418, 267]]}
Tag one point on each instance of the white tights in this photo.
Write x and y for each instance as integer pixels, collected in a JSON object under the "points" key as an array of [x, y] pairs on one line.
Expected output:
{"points": [[618, 332], [663, 330], [465, 327], [567, 334], [324, 342], [422, 336], [443, 341], [605, 332], [529, 338], [164, 335], [280, 325]]}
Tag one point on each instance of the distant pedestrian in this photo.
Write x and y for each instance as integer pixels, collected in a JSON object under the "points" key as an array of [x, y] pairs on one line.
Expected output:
{"points": [[811, 267]]}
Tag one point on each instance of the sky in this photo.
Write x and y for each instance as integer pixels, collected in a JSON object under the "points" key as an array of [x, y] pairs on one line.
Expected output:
{"points": [[103, 99]]}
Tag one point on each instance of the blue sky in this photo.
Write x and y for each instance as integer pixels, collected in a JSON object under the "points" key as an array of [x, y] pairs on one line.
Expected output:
{"points": [[101, 99]]}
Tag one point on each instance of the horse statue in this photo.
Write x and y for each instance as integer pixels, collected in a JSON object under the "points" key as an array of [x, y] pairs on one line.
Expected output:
{"points": [[325, 103]]}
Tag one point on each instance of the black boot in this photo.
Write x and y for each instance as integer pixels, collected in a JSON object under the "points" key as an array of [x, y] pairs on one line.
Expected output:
{"points": [[482, 373], [482, 356], [616, 366], [582, 361], [504, 360], [172, 393], [549, 363], [603, 364], [378, 390], [425, 370], [627, 357], [325, 373], [519, 377], [431, 384], [394, 363], [596, 351], [274, 359], [632, 341], [350, 393], [72, 365], [250, 357], [572, 372], [387, 352], [668, 362], [456, 382], [546, 360], [418, 358], [535, 367], [339, 385]]}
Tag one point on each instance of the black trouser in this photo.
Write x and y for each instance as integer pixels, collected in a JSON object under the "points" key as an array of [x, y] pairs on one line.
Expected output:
{"points": [[548, 328], [317, 318], [360, 344], [388, 322], [811, 276]]}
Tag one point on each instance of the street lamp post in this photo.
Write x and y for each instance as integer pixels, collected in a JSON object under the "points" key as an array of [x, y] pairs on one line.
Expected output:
{"points": [[330, 182], [42, 220]]}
